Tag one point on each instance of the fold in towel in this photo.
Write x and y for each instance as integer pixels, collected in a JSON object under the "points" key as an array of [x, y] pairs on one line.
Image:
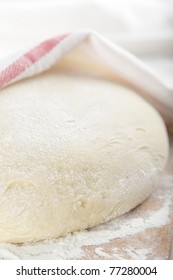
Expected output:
{"points": [[90, 53]]}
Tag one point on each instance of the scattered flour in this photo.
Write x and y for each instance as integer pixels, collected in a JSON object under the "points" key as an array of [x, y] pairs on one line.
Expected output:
{"points": [[138, 254], [71, 246], [135, 254]]}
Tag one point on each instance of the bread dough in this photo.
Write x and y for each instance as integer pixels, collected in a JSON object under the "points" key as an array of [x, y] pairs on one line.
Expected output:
{"points": [[74, 152]]}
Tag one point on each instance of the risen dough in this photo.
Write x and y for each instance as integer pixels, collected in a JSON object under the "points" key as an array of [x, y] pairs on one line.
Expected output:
{"points": [[74, 152]]}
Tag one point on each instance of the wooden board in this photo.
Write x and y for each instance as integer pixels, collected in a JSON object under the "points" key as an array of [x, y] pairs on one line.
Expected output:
{"points": [[152, 243]]}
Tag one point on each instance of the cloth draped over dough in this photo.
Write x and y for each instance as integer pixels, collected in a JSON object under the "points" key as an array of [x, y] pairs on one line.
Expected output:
{"points": [[90, 53]]}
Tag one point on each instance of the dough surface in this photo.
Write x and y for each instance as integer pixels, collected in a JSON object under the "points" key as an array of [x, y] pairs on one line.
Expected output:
{"points": [[74, 152]]}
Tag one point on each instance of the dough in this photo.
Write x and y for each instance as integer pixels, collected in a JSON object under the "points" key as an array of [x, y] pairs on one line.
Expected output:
{"points": [[74, 152]]}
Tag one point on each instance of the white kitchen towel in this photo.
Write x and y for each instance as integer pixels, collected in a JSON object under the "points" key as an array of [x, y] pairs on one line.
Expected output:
{"points": [[90, 53], [144, 28]]}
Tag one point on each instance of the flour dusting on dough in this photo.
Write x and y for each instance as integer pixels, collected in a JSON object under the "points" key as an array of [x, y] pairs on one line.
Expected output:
{"points": [[72, 246]]}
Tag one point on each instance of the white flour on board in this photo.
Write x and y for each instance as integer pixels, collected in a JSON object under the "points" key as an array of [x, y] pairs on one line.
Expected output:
{"points": [[71, 246]]}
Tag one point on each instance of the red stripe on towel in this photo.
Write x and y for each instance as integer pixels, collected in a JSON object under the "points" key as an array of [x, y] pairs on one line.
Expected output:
{"points": [[28, 59]]}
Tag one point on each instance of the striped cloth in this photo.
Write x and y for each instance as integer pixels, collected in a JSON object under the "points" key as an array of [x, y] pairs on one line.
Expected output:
{"points": [[93, 47]]}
